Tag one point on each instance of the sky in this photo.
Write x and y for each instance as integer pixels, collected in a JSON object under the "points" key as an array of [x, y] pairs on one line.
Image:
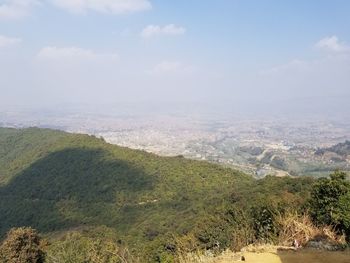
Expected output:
{"points": [[237, 53]]}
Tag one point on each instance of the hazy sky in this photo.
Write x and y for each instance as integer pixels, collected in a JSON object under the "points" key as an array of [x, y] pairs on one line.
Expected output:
{"points": [[210, 51]]}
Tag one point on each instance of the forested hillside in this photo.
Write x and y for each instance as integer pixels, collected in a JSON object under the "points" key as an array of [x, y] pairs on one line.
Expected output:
{"points": [[56, 181], [341, 149], [61, 183]]}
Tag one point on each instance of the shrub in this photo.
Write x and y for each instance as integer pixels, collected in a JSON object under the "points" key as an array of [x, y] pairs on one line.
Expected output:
{"points": [[22, 245], [326, 195], [344, 213], [77, 248]]}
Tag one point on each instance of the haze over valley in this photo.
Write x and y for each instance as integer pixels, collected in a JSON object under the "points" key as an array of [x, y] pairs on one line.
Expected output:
{"points": [[269, 145]]}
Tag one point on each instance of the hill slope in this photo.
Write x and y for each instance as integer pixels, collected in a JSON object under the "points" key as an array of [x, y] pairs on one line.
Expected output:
{"points": [[341, 149], [55, 181]]}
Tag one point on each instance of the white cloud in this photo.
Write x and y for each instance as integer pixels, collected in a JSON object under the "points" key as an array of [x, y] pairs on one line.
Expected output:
{"points": [[171, 67], [332, 44], [16, 9], [8, 41], [295, 65], [84, 73], [168, 30], [73, 53], [325, 76], [103, 6], [167, 66]]}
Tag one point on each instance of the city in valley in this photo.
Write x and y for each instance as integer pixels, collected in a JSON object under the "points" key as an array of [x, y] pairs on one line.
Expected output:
{"points": [[280, 147]]}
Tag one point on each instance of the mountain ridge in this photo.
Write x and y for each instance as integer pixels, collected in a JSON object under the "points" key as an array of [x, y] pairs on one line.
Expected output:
{"points": [[55, 181]]}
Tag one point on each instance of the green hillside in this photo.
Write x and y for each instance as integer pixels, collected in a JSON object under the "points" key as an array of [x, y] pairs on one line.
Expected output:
{"points": [[88, 198], [55, 181]]}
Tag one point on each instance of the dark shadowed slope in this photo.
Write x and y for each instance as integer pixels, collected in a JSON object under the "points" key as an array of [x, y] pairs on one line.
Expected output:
{"points": [[53, 181]]}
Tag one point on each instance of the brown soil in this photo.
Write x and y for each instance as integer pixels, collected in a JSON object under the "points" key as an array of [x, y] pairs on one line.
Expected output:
{"points": [[309, 256]]}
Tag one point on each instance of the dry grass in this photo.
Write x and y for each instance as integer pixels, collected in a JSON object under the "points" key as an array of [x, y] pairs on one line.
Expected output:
{"points": [[293, 226]]}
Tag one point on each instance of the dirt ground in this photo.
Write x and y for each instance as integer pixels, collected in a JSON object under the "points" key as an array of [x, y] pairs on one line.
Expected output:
{"points": [[309, 256]]}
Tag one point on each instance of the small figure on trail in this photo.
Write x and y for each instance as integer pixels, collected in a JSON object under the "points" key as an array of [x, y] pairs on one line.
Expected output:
{"points": [[296, 244], [242, 258]]}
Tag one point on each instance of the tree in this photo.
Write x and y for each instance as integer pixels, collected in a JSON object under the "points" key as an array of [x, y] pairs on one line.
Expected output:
{"points": [[326, 197], [22, 245], [344, 213]]}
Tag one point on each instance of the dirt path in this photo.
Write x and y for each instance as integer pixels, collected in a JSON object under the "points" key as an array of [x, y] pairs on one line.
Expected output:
{"points": [[309, 256]]}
